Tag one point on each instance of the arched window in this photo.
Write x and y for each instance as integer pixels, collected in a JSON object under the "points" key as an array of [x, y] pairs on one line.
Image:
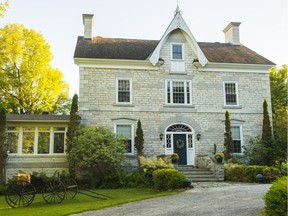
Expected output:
{"points": [[178, 128]]}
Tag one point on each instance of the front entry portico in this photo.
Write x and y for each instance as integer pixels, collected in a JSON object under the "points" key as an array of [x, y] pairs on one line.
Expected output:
{"points": [[179, 138]]}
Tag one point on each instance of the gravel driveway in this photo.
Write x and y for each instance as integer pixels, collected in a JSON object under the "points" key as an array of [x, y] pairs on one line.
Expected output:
{"points": [[213, 199]]}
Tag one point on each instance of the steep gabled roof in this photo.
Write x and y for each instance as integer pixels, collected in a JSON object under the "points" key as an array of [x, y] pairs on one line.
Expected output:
{"points": [[132, 49], [179, 23]]}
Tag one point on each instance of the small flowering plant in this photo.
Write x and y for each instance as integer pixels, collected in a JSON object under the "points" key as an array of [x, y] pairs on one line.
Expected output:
{"points": [[219, 156]]}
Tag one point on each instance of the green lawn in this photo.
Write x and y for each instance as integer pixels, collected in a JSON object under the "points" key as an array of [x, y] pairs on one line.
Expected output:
{"points": [[81, 202]]}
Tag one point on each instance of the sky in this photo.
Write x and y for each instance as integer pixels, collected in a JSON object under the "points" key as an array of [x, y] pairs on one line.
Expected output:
{"points": [[264, 24]]}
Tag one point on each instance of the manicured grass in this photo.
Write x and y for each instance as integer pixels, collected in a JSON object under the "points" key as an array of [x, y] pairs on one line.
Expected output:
{"points": [[81, 202]]}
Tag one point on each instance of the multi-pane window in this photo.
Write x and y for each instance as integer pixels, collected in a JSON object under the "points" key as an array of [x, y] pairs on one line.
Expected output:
{"points": [[168, 141], [177, 51], [28, 139], [59, 139], [124, 91], [236, 137], [178, 92], [13, 139], [125, 131], [36, 140], [190, 141], [43, 140], [231, 93]]}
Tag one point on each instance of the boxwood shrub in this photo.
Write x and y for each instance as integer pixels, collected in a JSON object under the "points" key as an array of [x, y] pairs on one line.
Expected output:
{"points": [[165, 179], [239, 173], [276, 198]]}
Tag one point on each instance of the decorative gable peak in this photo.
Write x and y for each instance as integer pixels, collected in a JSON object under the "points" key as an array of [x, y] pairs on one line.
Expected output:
{"points": [[179, 23]]}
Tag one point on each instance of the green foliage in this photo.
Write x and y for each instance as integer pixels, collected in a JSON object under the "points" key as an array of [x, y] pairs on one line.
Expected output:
{"points": [[279, 90], [3, 7], [167, 179], [3, 146], [139, 139], [72, 131], [149, 165], [256, 152], [97, 152], [239, 173], [266, 126], [28, 83], [228, 141], [276, 198]]}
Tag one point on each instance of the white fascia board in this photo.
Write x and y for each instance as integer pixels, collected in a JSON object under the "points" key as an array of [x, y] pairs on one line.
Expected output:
{"points": [[115, 63], [234, 67], [178, 23]]}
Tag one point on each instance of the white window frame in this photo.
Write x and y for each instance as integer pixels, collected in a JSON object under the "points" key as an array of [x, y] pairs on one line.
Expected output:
{"points": [[183, 51], [241, 138], [236, 90], [130, 91], [132, 136], [36, 136], [170, 81]]}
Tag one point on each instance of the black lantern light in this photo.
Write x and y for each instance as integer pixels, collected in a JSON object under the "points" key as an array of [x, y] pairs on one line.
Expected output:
{"points": [[161, 135], [198, 136]]}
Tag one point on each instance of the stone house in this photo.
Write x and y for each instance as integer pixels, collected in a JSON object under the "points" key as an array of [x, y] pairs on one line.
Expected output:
{"points": [[36, 143], [179, 88]]}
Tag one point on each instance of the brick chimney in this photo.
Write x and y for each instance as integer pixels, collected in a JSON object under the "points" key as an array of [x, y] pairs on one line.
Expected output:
{"points": [[232, 33], [88, 22]]}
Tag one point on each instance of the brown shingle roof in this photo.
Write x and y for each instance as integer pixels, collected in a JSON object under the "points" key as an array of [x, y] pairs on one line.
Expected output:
{"points": [[114, 48], [228, 53], [136, 49]]}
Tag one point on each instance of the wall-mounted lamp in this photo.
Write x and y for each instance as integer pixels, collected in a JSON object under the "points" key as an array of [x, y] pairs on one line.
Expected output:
{"points": [[198, 136], [161, 135]]}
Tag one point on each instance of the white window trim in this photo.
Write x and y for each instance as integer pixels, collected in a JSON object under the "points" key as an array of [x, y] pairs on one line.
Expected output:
{"points": [[237, 94], [183, 51], [36, 131], [130, 87], [241, 138], [185, 92], [132, 136]]}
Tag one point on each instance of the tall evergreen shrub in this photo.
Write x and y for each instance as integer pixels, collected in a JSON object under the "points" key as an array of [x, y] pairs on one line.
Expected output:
{"points": [[228, 142], [72, 132]]}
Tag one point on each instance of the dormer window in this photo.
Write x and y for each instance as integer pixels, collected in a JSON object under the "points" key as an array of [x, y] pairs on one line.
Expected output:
{"points": [[177, 51], [177, 57]]}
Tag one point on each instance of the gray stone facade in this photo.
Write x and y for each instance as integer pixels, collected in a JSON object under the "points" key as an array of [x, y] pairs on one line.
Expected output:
{"points": [[206, 115]]}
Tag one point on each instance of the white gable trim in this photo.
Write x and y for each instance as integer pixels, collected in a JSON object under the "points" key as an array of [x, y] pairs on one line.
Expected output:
{"points": [[179, 23], [235, 67]]}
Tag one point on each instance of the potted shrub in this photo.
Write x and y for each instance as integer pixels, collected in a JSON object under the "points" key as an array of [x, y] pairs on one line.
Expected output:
{"points": [[219, 157], [174, 158]]}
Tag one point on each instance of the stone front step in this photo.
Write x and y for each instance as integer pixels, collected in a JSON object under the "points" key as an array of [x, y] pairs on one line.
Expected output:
{"points": [[197, 175]]}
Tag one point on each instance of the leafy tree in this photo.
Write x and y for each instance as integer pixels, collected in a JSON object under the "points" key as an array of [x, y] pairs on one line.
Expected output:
{"points": [[28, 83], [228, 141], [72, 132], [279, 89], [98, 152], [139, 139], [3, 7], [3, 148]]}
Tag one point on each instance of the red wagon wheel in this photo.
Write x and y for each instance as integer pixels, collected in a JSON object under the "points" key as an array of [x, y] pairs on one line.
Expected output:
{"points": [[20, 194], [54, 192]]}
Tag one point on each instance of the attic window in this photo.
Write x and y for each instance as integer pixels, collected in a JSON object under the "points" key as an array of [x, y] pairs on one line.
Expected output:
{"points": [[177, 51]]}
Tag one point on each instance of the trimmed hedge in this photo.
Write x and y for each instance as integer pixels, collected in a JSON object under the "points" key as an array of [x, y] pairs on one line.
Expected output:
{"points": [[165, 179], [276, 198], [238, 173]]}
